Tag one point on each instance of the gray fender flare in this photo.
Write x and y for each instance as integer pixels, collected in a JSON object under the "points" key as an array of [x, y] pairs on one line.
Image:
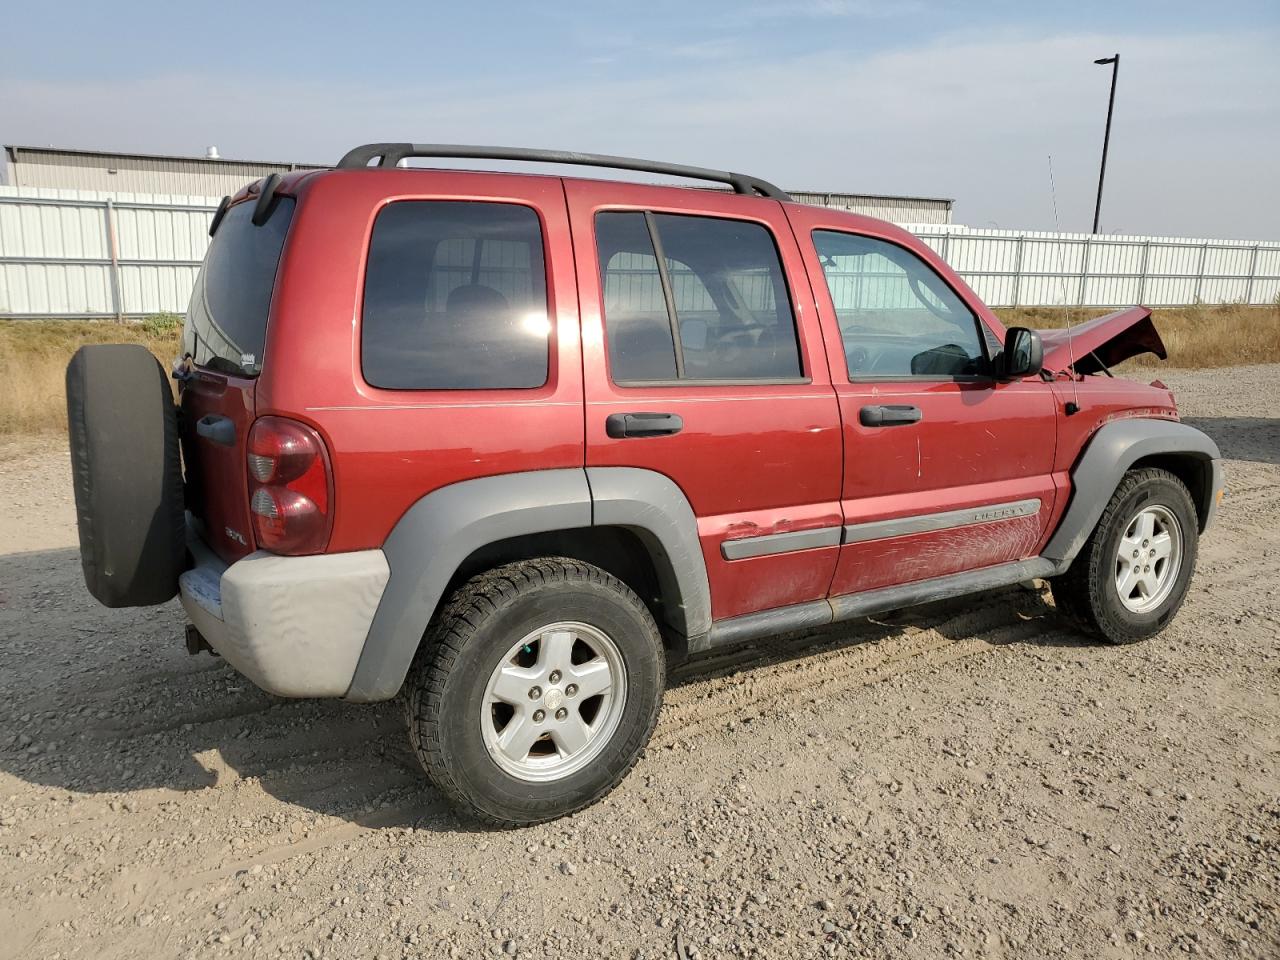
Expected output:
{"points": [[651, 506], [1113, 450], [434, 537]]}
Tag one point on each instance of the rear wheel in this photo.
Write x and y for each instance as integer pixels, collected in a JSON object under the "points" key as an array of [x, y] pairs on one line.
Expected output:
{"points": [[536, 690], [1133, 572]]}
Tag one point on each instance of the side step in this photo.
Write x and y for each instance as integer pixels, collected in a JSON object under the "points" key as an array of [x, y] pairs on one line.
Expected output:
{"points": [[817, 613]]}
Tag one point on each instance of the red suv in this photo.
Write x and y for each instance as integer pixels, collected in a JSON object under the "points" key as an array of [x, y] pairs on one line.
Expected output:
{"points": [[507, 444]]}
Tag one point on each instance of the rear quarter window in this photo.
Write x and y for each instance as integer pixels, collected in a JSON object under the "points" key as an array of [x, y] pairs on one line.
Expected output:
{"points": [[226, 324], [455, 297]]}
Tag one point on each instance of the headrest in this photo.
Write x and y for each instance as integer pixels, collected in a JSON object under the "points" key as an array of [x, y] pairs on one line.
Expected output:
{"points": [[475, 298]]}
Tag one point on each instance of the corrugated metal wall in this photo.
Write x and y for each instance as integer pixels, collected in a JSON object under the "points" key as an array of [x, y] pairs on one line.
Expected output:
{"points": [[108, 172], [185, 176], [57, 259], [921, 210]]}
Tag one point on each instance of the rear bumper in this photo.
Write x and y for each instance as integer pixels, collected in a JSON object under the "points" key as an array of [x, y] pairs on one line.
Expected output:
{"points": [[295, 626]]}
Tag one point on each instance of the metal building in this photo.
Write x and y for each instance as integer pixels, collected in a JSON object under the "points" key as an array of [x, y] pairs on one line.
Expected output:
{"points": [[930, 210], [207, 176], [211, 176]]}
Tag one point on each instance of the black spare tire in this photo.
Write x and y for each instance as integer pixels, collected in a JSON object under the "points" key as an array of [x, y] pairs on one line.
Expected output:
{"points": [[127, 474]]}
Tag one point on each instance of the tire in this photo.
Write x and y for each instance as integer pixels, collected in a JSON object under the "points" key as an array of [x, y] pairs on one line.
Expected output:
{"points": [[454, 714], [1089, 595], [126, 471]]}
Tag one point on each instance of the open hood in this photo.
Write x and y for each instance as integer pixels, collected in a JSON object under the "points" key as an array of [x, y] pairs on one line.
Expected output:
{"points": [[1106, 341]]}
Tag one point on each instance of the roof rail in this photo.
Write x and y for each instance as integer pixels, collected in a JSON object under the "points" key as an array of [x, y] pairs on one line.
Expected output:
{"points": [[390, 155]]}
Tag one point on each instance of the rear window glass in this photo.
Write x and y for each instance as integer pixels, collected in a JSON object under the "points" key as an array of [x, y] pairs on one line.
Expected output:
{"points": [[226, 325], [455, 297], [714, 307]]}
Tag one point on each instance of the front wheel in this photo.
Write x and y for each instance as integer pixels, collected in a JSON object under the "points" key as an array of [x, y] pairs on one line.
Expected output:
{"points": [[536, 691], [1133, 572]]}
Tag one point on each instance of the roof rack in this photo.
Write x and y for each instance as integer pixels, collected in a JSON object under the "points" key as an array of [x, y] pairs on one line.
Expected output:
{"points": [[390, 155]]}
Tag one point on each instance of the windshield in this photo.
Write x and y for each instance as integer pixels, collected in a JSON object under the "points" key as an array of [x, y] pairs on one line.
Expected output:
{"points": [[226, 325]]}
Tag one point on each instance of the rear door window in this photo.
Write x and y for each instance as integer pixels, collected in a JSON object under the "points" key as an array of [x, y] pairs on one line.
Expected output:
{"points": [[694, 298], [226, 324], [455, 297]]}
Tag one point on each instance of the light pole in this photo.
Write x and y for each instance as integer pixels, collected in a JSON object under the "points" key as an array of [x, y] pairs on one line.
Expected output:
{"points": [[1106, 140]]}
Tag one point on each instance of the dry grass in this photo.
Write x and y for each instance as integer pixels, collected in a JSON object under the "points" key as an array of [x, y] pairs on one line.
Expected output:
{"points": [[1225, 335], [34, 353], [33, 366]]}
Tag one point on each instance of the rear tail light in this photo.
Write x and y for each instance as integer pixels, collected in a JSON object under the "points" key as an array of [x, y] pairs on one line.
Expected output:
{"points": [[290, 487]]}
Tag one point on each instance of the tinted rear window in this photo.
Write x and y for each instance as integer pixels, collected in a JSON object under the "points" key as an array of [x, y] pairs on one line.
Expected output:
{"points": [[226, 326], [455, 297], [715, 309]]}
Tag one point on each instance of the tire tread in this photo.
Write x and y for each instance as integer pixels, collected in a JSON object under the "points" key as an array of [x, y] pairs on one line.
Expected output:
{"points": [[454, 627], [1077, 592]]}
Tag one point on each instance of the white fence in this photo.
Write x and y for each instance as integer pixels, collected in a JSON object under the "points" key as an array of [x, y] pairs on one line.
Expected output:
{"points": [[74, 253], [67, 253], [1032, 269]]}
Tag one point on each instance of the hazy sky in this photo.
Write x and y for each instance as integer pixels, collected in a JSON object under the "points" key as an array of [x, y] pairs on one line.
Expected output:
{"points": [[918, 97]]}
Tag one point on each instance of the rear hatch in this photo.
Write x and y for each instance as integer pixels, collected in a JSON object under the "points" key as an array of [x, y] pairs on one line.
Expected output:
{"points": [[225, 335]]}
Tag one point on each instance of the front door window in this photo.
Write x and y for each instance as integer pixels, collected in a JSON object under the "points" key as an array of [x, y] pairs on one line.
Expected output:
{"points": [[897, 318]]}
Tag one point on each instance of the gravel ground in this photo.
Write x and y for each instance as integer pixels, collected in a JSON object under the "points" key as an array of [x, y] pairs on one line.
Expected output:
{"points": [[967, 779]]}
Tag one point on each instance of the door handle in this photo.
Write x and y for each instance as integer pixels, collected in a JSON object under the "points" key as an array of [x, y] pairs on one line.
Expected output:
{"points": [[618, 425], [221, 430], [889, 415]]}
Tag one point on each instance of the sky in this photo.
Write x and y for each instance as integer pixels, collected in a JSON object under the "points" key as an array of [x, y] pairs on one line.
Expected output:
{"points": [[920, 97]]}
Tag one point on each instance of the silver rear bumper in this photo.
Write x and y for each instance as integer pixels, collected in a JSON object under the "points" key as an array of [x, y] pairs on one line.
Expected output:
{"points": [[295, 626]]}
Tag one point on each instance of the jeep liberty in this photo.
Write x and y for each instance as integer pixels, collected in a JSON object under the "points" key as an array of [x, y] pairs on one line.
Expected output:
{"points": [[502, 444]]}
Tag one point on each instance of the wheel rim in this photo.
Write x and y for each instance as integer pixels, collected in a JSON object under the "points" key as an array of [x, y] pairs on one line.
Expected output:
{"points": [[553, 701], [1148, 559]]}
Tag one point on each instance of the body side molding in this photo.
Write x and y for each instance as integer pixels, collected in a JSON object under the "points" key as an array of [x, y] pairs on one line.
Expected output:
{"points": [[773, 543], [434, 537], [1112, 450], [926, 522]]}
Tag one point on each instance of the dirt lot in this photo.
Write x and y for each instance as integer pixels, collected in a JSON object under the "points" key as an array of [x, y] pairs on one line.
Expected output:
{"points": [[968, 779]]}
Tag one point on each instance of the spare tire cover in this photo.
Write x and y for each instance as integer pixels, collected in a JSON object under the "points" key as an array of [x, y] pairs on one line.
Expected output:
{"points": [[127, 474]]}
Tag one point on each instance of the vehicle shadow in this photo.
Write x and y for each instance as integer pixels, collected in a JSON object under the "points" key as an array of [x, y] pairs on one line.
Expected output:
{"points": [[109, 703], [1242, 438]]}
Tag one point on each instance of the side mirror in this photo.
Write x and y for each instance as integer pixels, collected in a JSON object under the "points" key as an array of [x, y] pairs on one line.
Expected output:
{"points": [[1023, 354]]}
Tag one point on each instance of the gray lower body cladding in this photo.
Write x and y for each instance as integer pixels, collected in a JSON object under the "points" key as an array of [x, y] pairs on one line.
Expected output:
{"points": [[432, 540], [439, 532], [818, 613], [1114, 449], [295, 626]]}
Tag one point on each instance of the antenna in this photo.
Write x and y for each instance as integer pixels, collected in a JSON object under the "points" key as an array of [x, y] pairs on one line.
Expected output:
{"points": [[1062, 278]]}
